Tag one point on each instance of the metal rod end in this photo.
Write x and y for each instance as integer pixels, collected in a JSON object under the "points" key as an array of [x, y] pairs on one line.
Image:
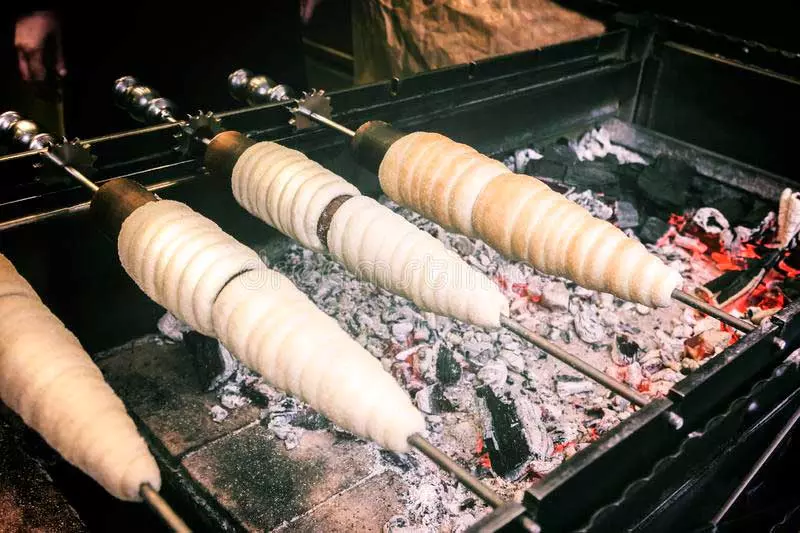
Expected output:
{"points": [[710, 310], [163, 509]]}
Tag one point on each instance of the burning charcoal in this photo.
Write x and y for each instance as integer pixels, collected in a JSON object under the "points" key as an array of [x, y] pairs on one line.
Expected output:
{"points": [[626, 214], [404, 462], [421, 333], [390, 315], [454, 338], [588, 326], [448, 369], [604, 300], [405, 355], [708, 343], [643, 309], [494, 374], [213, 364], [624, 350], [733, 203], [513, 433], [567, 385], [652, 230], [431, 400], [651, 366], [218, 414], [665, 184], [555, 296], [478, 350], [461, 398]]}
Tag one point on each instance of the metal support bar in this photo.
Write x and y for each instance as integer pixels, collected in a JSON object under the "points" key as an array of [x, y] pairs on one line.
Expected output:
{"points": [[756, 468]]}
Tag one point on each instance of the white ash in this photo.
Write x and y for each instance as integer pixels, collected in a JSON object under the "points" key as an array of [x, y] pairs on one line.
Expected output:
{"points": [[591, 203], [682, 331], [519, 161], [566, 388], [407, 341], [710, 220], [172, 328], [494, 374], [597, 144], [555, 296], [229, 366], [218, 414], [588, 326]]}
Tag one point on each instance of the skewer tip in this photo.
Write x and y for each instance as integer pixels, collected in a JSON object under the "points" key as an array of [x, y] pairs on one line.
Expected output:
{"points": [[163, 509]]}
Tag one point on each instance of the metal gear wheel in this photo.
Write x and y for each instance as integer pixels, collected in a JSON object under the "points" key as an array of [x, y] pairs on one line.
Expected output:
{"points": [[202, 124], [315, 101]]}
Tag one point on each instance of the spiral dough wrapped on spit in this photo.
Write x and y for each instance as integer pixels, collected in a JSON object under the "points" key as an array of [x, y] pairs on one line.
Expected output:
{"points": [[220, 287], [521, 218], [181, 259], [287, 190], [51, 382], [383, 248], [278, 332]]}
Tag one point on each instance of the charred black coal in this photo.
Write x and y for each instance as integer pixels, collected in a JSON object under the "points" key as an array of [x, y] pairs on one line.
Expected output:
{"points": [[665, 185], [448, 370], [625, 350], [652, 230], [206, 358], [506, 443]]}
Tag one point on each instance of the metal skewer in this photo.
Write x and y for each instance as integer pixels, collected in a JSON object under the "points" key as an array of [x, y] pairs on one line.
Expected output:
{"points": [[265, 89], [447, 464], [259, 89], [163, 509], [12, 123], [776, 442], [168, 515], [710, 310], [575, 362], [26, 135]]}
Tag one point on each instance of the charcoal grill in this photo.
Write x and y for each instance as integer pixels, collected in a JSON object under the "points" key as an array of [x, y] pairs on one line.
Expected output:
{"points": [[658, 87]]}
